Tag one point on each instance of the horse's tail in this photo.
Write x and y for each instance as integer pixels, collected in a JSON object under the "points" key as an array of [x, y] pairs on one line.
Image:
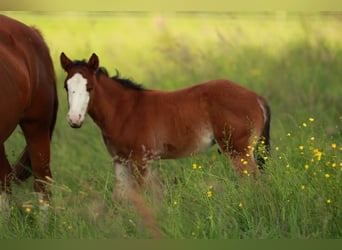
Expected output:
{"points": [[265, 134], [23, 168]]}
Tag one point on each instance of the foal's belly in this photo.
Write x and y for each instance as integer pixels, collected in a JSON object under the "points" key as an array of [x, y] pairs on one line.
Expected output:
{"points": [[185, 146]]}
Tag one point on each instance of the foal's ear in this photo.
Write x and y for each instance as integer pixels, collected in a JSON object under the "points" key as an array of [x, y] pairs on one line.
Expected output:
{"points": [[93, 62], [65, 61]]}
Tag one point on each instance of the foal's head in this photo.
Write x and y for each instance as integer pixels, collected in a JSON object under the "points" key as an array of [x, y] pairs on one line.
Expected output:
{"points": [[78, 84]]}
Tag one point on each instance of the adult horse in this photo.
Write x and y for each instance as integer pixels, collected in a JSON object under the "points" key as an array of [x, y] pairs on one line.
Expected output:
{"points": [[139, 125], [28, 97]]}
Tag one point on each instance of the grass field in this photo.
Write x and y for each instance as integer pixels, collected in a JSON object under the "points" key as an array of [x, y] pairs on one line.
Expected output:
{"points": [[293, 60]]}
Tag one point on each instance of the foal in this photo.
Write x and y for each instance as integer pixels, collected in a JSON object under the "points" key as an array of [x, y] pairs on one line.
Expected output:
{"points": [[139, 125]]}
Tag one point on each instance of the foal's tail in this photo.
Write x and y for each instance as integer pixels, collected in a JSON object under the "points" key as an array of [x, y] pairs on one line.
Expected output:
{"points": [[265, 134]]}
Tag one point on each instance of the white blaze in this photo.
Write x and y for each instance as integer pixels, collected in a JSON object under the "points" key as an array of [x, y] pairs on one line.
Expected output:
{"points": [[78, 98]]}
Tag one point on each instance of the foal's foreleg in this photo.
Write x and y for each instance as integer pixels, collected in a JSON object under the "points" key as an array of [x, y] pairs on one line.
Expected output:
{"points": [[123, 183], [140, 172], [129, 184], [127, 178]]}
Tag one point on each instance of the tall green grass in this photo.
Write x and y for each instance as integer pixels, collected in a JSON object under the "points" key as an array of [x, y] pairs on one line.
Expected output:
{"points": [[293, 60]]}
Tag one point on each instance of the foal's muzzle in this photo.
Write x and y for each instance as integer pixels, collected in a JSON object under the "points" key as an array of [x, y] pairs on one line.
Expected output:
{"points": [[74, 125], [75, 121]]}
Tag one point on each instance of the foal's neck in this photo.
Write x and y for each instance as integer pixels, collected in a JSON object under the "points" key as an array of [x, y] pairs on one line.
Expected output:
{"points": [[106, 99]]}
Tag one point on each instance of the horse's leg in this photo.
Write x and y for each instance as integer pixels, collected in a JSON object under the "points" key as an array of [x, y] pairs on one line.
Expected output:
{"points": [[38, 142], [5, 171], [122, 183], [240, 152], [244, 163], [5, 179], [22, 169], [139, 171], [127, 187]]}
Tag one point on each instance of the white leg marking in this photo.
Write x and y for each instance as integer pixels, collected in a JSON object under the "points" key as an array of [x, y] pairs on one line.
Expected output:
{"points": [[122, 182]]}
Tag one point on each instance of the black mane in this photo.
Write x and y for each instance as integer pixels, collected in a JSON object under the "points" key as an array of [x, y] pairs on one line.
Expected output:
{"points": [[126, 82], [79, 62]]}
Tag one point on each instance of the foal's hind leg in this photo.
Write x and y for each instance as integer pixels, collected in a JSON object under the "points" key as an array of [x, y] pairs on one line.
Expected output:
{"points": [[38, 142], [240, 152], [5, 171]]}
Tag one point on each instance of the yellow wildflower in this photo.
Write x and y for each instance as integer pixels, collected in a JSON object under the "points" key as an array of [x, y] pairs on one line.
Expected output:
{"points": [[328, 201], [306, 166], [194, 166], [302, 187], [333, 145], [311, 119], [240, 205], [327, 175], [304, 124], [317, 154], [209, 194]]}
